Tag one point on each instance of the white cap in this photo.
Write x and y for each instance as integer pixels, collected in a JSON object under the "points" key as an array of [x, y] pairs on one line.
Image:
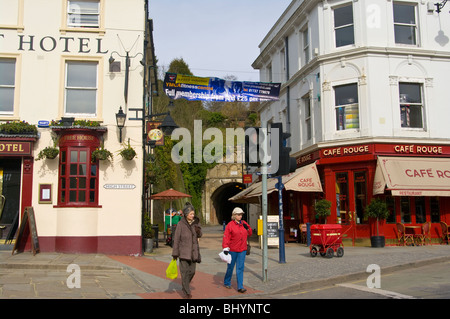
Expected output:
{"points": [[237, 210]]}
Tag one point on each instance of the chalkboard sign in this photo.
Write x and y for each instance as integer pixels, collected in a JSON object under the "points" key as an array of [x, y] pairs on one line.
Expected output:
{"points": [[22, 237], [272, 229]]}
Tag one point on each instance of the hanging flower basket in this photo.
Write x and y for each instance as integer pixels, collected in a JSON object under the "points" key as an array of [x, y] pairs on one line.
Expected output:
{"points": [[101, 154], [128, 152], [49, 152]]}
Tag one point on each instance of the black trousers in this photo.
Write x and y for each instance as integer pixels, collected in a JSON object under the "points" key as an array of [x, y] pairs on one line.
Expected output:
{"points": [[187, 269]]}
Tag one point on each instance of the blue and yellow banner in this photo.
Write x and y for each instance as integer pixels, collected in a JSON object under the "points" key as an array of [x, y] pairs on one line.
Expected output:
{"points": [[194, 88]]}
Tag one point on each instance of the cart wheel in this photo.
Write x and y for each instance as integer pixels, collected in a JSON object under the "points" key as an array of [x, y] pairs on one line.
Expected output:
{"points": [[330, 253], [340, 252], [313, 252]]}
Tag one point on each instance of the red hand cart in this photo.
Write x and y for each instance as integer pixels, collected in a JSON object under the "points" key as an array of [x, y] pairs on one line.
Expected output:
{"points": [[327, 240]]}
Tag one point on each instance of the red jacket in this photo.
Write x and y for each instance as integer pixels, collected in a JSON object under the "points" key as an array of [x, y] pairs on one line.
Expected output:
{"points": [[235, 236]]}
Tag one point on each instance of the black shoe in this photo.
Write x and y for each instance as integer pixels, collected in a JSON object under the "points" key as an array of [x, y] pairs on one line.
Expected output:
{"points": [[228, 287], [242, 290]]}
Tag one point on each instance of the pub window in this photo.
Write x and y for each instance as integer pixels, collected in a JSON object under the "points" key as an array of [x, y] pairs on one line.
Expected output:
{"points": [[405, 25], [81, 88], [346, 105], [83, 14], [78, 178], [7, 85], [343, 26], [411, 106], [405, 212]]}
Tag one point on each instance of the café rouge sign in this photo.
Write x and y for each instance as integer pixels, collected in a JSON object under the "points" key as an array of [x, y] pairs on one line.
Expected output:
{"points": [[399, 149]]}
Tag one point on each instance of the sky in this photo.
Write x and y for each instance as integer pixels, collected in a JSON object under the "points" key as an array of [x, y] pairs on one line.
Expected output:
{"points": [[215, 38]]}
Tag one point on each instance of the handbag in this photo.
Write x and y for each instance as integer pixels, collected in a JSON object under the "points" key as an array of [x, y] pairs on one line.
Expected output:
{"points": [[248, 247], [172, 270]]}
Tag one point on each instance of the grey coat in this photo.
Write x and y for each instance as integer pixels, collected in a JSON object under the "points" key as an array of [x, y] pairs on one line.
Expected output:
{"points": [[185, 240]]}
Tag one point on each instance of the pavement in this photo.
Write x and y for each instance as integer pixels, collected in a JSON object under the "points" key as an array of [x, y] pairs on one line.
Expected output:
{"points": [[97, 276]]}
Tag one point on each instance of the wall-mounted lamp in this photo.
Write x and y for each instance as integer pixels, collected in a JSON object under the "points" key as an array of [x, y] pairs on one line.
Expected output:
{"points": [[440, 6], [127, 67], [120, 119]]}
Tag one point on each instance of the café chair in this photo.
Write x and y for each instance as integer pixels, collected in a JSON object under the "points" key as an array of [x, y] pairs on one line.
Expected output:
{"points": [[403, 237], [419, 239], [445, 234], [426, 233]]}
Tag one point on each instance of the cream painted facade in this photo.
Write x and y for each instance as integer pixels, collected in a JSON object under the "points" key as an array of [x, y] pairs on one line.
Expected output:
{"points": [[43, 39], [301, 52]]}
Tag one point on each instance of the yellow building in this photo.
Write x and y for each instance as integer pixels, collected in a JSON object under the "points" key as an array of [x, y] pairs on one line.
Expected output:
{"points": [[80, 61]]}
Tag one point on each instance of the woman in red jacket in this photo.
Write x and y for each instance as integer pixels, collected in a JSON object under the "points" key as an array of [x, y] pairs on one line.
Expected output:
{"points": [[235, 243]]}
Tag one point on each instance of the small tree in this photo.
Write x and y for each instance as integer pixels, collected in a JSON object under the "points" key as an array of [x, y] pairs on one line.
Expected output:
{"points": [[322, 208], [377, 209]]}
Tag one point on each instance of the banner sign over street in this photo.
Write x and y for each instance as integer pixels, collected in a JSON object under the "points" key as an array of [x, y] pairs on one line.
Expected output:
{"points": [[195, 88]]}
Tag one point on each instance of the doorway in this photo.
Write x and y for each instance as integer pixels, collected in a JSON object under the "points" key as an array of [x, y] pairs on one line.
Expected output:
{"points": [[351, 200], [10, 180]]}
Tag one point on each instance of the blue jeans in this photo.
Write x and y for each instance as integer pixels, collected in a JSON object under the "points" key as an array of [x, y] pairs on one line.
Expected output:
{"points": [[239, 260]]}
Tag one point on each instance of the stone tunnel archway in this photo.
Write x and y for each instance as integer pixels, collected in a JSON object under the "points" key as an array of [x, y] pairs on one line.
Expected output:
{"points": [[221, 206], [222, 182]]}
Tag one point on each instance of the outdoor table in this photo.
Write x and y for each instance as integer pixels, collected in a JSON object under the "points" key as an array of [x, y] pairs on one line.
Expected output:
{"points": [[411, 230]]}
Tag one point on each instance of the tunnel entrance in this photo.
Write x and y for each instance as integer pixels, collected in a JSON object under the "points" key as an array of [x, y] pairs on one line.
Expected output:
{"points": [[222, 206]]}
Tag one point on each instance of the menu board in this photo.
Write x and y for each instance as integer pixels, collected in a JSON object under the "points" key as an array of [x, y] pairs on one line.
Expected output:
{"points": [[272, 230], [27, 228]]}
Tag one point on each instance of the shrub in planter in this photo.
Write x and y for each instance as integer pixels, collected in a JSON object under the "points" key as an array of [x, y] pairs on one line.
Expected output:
{"points": [[49, 152], [323, 209], [128, 152], [101, 154], [17, 127], [377, 210]]}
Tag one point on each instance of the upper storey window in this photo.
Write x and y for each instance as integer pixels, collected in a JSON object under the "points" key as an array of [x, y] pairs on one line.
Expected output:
{"points": [[346, 105], [405, 23], [83, 14], [81, 88], [343, 26], [7, 85]]}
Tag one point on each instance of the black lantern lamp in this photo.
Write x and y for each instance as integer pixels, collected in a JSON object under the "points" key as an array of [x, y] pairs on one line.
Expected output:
{"points": [[120, 119], [168, 125]]}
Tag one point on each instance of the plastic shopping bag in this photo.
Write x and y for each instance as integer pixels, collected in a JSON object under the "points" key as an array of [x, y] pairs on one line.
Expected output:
{"points": [[225, 258], [172, 270]]}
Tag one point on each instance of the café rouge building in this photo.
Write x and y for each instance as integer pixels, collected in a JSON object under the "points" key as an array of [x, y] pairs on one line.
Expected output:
{"points": [[414, 179]]}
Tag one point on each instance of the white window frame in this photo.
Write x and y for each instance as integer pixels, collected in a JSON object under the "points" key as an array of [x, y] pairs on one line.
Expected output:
{"points": [[74, 13], [308, 116], [415, 25], [66, 87], [306, 45], [346, 124], [343, 26], [404, 103], [13, 86]]}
